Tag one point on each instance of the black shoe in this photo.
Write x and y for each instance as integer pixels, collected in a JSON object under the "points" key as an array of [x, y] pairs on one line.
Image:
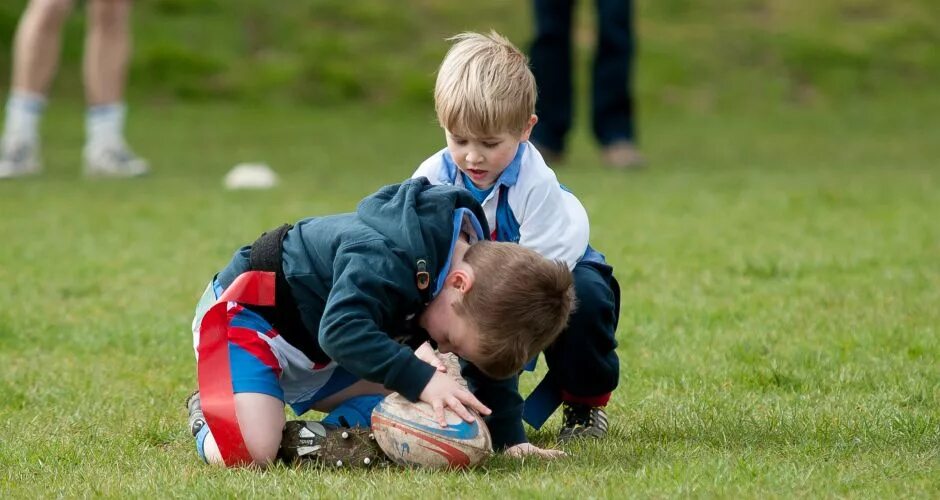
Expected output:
{"points": [[583, 421], [196, 417], [306, 440]]}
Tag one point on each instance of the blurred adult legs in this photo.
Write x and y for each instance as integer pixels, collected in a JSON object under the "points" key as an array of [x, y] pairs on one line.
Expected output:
{"points": [[612, 110], [36, 50], [37, 45], [551, 64], [612, 100], [107, 51]]}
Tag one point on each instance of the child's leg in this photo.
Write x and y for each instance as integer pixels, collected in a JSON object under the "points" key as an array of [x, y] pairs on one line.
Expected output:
{"points": [[261, 419], [584, 360], [352, 407], [255, 372], [360, 388]]}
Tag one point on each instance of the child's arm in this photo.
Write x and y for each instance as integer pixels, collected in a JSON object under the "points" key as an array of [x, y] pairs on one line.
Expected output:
{"points": [[371, 288], [444, 391], [552, 222], [505, 422], [368, 291], [431, 168], [527, 449], [426, 353]]}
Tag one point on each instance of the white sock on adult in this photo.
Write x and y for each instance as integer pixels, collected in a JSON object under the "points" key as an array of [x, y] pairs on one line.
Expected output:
{"points": [[23, 112], [104, 125]]}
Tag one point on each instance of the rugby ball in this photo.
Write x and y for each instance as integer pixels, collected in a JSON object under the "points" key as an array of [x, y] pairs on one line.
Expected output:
{"points": [[410, 435]]}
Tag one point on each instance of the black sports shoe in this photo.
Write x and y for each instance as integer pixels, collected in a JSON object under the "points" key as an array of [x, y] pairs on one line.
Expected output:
{"points": [[196, 417], [305, 440], [583, 421]]}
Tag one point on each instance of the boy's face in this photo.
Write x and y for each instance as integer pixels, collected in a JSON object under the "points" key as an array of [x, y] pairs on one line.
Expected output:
{"points": [[483, 159], [452, 332]]}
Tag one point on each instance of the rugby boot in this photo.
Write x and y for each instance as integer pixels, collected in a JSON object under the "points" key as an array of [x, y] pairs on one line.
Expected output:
{"points": [[583, 421], [196, 417], [311, 441]]}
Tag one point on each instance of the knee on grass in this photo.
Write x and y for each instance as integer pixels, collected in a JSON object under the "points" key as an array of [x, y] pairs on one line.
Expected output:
{"points": [[262, 447]]}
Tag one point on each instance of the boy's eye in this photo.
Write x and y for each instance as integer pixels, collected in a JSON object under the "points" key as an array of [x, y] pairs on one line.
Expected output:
{"points": [[460, 142], [491, 144]]}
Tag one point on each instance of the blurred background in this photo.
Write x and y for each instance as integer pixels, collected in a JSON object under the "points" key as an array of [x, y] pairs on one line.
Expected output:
{"points": [[729, 54], [778, 257]]}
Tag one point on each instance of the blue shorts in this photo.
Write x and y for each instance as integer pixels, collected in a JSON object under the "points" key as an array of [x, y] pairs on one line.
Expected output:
{"points": [[263, 362]]}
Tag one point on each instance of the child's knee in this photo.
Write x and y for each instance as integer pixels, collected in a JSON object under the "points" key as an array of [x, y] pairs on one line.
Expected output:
{"points": [[261, 418], [597, 303], [261, 424], [261, 446]]}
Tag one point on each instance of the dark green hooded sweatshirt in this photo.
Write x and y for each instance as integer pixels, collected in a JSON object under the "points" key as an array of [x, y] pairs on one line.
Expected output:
{"points": [[353, 277]]}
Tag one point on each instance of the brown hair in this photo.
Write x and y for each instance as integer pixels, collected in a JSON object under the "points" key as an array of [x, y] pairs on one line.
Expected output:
{"points": [[484, 86], [519, 301]]}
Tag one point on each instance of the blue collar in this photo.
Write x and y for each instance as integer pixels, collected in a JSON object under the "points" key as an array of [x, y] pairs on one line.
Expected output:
{"points": [[460, 215], [477, 193], [509, 177]]}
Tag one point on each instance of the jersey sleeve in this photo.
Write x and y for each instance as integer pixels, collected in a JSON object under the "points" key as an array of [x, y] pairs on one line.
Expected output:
{"points": [[553, 222], [367, 293], [430, 168], [503, 398]]}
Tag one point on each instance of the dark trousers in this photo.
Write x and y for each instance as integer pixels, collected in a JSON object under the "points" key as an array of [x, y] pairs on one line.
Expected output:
{"points": [[551, 59], [583, 361]]}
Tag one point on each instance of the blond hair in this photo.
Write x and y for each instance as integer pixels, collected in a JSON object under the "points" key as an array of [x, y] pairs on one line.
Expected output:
{"points": [[519, 301], [484, 86]]}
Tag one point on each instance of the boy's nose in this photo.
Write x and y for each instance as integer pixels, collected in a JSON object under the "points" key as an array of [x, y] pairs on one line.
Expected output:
{"points": [[474, 157]]}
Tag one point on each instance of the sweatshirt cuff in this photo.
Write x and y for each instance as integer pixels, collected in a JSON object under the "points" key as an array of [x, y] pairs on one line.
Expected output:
{"points": [[409, 376], [507, 434]]}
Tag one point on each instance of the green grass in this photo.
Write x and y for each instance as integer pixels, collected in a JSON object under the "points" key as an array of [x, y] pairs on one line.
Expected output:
{"points": [[780, 278], [323, 51], [780, 258]]}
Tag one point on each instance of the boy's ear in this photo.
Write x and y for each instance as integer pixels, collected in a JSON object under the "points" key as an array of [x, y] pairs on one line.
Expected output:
{"points": [[461, 280], [527, 131]]}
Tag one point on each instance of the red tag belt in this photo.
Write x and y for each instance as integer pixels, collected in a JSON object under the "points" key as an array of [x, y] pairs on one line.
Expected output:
{"points": [[215, 373]]}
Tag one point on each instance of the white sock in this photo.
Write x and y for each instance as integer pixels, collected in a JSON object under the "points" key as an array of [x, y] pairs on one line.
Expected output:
{"points": [[23, 112], [104, 124]]}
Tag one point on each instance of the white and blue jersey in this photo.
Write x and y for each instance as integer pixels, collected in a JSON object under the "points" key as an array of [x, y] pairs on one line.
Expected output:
{"points": [[527, 205]]}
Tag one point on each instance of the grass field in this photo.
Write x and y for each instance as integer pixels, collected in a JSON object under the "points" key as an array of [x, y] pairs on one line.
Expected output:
{"points": [[780, 257], [779, 334]]}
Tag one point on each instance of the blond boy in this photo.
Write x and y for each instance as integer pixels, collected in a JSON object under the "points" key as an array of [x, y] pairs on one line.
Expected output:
{"points": [[485, 101]]}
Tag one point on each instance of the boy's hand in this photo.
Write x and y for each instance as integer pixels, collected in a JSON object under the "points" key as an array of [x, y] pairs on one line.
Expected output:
{"points": [[528, 449], [443, 391], [426, 353]]}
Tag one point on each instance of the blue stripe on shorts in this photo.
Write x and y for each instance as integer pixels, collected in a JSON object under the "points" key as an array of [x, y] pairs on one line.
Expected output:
{"points": [[249, 374]]}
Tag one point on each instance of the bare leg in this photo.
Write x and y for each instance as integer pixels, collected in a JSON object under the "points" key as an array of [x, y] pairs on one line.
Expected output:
{"points": [[37, 44], [360, 388], [36, 49], [261, 418], [107, 50]]}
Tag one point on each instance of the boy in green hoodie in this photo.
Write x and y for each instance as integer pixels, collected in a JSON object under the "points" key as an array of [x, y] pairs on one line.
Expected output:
{"points": [[334, 312]]}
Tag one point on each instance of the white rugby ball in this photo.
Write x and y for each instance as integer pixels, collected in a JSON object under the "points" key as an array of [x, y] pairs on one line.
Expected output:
{"points": [[410, 435]]}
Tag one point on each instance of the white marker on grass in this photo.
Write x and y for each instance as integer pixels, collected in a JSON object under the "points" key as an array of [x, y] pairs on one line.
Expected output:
{"points": [[250, 176]]}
